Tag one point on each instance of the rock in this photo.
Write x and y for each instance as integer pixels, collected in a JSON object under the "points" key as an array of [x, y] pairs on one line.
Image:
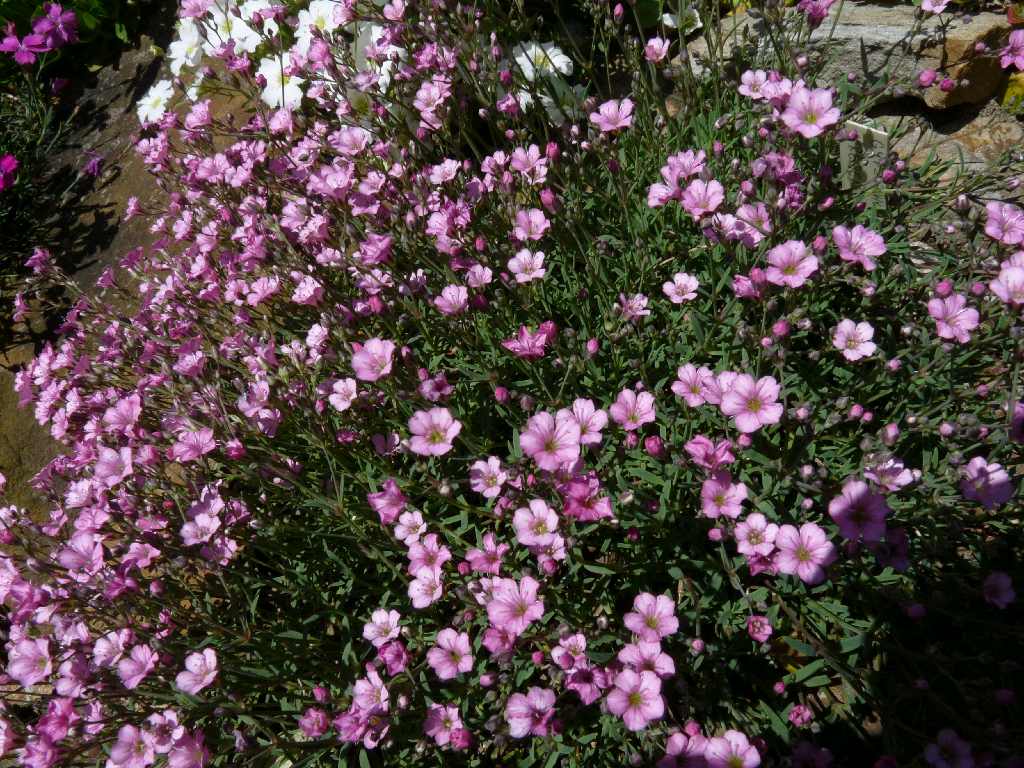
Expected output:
{"points": [[976, 138], [873, 41]]}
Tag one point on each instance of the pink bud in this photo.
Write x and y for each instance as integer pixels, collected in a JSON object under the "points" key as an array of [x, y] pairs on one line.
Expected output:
{"points": [[926, 77], [501, 394]]}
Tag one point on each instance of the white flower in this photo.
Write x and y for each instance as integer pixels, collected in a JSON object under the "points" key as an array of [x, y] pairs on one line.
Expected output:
{"points": [[541, 60], [187, 49], [227, 26], [281, 90], [192, 94], [153, 105], [687, 20]]}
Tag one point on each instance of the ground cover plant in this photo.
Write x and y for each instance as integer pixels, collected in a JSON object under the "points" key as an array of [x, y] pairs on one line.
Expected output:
{"points": [[474, 409]]}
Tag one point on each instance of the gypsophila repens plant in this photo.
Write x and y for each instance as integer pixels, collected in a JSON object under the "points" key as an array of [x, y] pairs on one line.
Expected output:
{"points": [[474, 410]]}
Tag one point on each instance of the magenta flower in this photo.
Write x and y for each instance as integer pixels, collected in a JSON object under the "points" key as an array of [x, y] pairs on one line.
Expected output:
{"points": [[26, 49], [136, 665], [488, 558], [535, 525], [953, 318], [631, 410], [790, 264], [372, 360], [113, 466], [551, 441], [759, 628], [192, 444], [752, 404], [387, 503], [529, 345], [1013, 53], [652, 618], [810, 112], [998, 589], [28, 661], [859, 245], [755, 535], [731, 750], [987, 484], [854, 339], [613, 115], [859, 512], [949, 751], [442, 721], [720, 496], [1004, 222], [804, 552], [428, 556], [433, 432], [636, 698], [8, 167], [451, 654], [514, 604], [454, 300], [530, 714], [200, 671]]}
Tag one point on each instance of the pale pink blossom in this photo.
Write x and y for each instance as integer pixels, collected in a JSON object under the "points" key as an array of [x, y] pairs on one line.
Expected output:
{"points": [[372, 360], [454, 300], [720, 496], [953, 318], [854, 339], [636, 698], [591, 420], [199, 673], [451, 654], [529, 714], [804, 552], [652, 618], [810, 112], [487, 477], [613, 115], [702, 197], [752, 404], [631, 410], [433, 432], [527, 265], [682, 287], [860, 245], [514, 605], [790, 264], [536, 524], [382, 627], [551, 441]]}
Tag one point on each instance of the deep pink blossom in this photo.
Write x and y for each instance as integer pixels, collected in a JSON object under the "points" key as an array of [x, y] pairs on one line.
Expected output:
{"points": [[652, 618], [636, 698], [613, 115], [953, 318], [451, 654], [551, 440], [529, 714], [859, 245]]}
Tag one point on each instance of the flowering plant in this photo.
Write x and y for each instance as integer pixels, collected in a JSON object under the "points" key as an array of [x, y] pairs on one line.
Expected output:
{"points": [[460, 415]]}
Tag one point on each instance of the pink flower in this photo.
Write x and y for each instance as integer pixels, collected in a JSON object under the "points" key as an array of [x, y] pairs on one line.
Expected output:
{"points": [[759, 628], [854, 339], [199, 529], [590, 419], [690, 384], [790, 264], [425, 589], [613, 115], [656, 49], [433, 432], [1005, 222], [343, 394], [113, 466], [720, 496], [755, 536], [454, 300], [28, 661], [636, 698], [571, 652], [530, 714], [804, 552], [731, 750], [487, 477], [631, 410], [751, 83], [998, 589], [810, 112], [683, 287], [536, 525], [530, 345], [642, 656], [752, 404], [442, 721], [709, 455], [192, 444], [859, 512], [527, 265], [133, 749], [987, 484], [1013, 53], [953, 318], [451, 654], [514, 605], [1009, 285], [934, 6], [487, 559], [372, 360], [702, 197], [136, 665], [551, 441], [530, 225], [387, 503], [200, 671], [652, 618], [858, 245], [428, 556], [314, 722], [382, 627]]}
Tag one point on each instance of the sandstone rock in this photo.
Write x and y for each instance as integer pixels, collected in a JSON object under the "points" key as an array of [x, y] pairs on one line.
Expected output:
{"points": [[874, 41]]}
